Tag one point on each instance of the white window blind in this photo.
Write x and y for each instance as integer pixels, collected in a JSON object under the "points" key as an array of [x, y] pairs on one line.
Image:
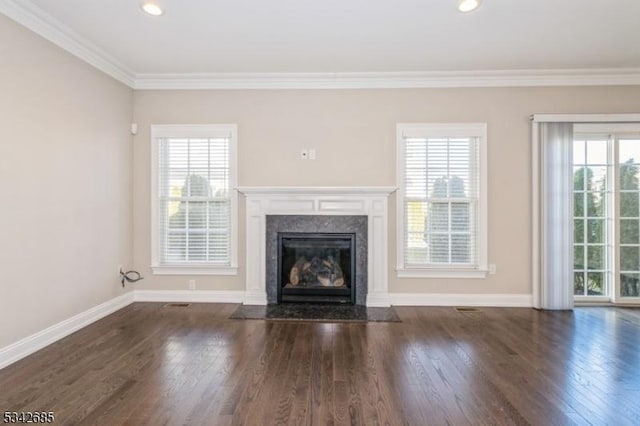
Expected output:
{"points": [[194, 206], [440, 185]]}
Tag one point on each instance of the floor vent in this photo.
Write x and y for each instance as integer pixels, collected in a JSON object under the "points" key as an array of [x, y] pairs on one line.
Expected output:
{"points": [[177, 305], [467, 309]]}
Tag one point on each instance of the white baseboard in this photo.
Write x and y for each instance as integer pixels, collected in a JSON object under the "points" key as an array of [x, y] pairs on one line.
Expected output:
{"points": [[257, 298], [431, 299], [376, 300], [22, 348], [193, 296]]}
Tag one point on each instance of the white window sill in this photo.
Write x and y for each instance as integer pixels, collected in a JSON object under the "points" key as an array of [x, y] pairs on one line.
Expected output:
{"points": [[193, 270], [441, 273]]}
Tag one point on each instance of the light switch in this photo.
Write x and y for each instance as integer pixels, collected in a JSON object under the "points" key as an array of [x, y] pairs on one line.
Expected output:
{"points": [[304, 154], [312, 154]]}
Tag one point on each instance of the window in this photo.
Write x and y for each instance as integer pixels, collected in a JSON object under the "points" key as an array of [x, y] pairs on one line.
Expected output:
{"points": [[441, 200], [194, 203], [606, 211]]}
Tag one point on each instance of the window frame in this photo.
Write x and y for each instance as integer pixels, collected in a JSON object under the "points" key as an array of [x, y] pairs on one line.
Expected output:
{"points": [[161, 131], [476, 130]]}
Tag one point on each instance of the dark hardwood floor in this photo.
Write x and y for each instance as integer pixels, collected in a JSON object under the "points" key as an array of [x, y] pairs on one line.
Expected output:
{"points": [[149, 364]]}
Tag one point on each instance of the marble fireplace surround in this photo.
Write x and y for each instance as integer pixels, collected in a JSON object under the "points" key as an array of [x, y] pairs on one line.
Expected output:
{"points": [[317, 201], [317, 224]]}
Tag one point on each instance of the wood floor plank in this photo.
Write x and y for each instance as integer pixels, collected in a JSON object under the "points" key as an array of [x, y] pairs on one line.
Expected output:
{"points": [[148, 364]]}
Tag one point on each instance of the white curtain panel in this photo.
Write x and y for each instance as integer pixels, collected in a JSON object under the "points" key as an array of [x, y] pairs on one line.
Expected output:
{"points": [[556, 204]]}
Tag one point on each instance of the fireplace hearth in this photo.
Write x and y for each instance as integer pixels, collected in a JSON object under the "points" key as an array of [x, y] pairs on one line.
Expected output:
{"points": [[316, 267]]}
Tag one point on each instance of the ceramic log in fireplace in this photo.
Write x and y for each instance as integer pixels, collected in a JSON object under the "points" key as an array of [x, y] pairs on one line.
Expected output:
{"points": [[316, 267]]}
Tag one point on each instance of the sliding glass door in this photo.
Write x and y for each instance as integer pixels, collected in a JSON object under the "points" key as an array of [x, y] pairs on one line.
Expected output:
{"points": [[628, 285], [606, 215]]}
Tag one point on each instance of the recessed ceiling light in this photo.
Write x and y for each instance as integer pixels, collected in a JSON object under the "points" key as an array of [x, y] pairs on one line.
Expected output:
{"points": [[468, 5], [152, 9]]}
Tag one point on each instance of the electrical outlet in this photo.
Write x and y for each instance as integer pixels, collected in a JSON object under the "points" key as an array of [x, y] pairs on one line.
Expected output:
{"points": [[492, 269], [192, 284], [304, 154]]}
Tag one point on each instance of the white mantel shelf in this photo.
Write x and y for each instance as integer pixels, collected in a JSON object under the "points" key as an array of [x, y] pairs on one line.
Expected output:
{"points": [[370, 201], [316, 190]]}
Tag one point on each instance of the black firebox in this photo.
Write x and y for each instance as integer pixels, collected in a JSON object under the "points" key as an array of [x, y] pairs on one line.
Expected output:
{"points": [[316, 268]]}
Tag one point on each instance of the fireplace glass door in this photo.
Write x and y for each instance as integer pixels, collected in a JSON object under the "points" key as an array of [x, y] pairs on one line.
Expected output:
{"points": [[316, 268]]}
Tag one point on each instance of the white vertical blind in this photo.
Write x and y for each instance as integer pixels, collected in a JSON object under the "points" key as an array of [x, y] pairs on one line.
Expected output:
{"points": [[194, 200], [556, 141], [441, 201]]}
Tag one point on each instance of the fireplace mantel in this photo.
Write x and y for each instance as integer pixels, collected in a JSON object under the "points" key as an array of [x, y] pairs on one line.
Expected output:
{"points": [[368, 201], [318, 190]]}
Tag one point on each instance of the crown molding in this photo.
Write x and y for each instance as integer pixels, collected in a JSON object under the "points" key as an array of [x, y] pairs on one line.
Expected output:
{"points": [[32, 17], [390, 80]]}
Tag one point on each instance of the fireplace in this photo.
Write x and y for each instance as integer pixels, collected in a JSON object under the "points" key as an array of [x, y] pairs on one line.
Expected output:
{"points": [[359, 210], [344, 238], [316, 267]]}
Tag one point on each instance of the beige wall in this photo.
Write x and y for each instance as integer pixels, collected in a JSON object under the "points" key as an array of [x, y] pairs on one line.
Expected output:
{"points": [[65, 193], [354, 134]]}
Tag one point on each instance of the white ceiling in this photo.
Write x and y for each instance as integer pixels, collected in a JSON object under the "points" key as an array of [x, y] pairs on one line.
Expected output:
{"points": [[351, 36]]}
